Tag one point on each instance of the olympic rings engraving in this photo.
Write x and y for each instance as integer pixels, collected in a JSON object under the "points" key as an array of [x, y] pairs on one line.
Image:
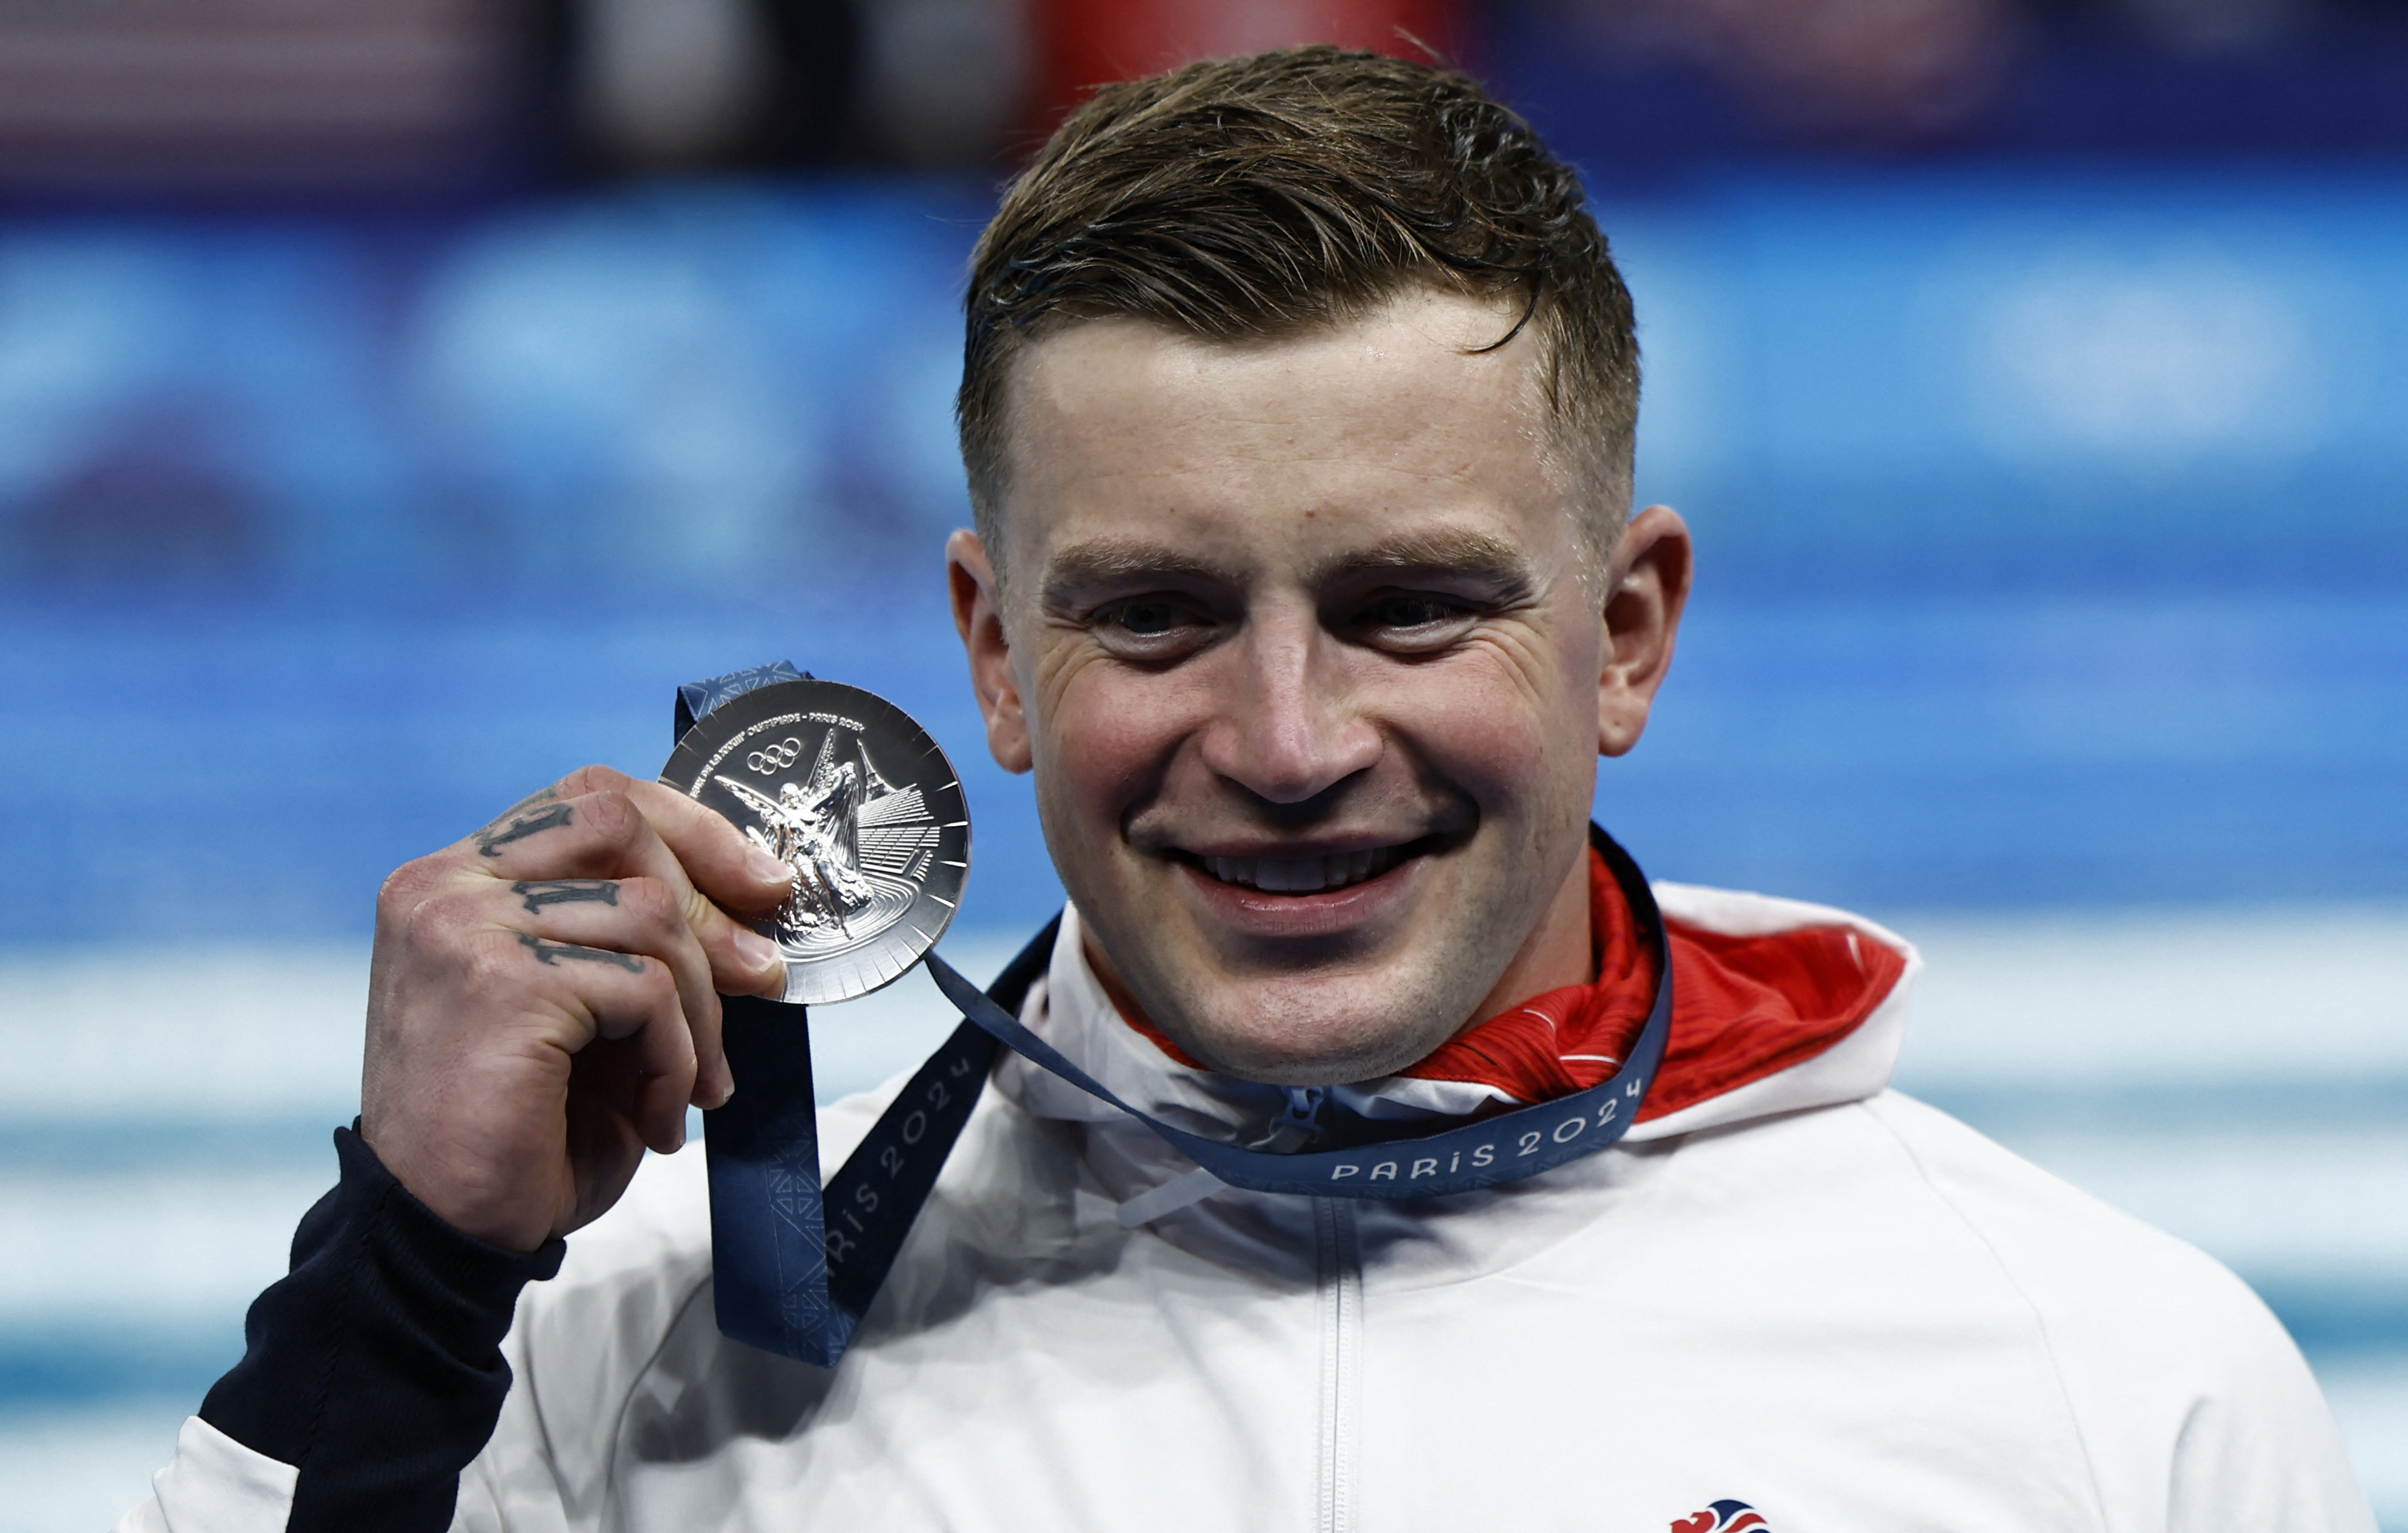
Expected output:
{"points": [[775, 759]]}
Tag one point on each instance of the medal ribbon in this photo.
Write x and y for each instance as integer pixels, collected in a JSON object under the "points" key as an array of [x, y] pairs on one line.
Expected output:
{"points": [[794, 1266]]}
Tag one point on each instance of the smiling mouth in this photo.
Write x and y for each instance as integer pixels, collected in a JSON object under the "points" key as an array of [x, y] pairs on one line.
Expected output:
{"points": [[1308, 875]]}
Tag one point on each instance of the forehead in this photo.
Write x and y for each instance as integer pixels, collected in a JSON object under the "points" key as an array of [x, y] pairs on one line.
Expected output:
{"points": [[1395, 422]]}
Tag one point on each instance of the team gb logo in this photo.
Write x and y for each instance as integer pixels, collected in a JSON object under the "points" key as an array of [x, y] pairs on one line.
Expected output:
{"points": [[1723, 1517]]}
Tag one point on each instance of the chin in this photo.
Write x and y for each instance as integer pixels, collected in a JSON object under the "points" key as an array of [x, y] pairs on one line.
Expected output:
{"points": [[1312, 1031]]}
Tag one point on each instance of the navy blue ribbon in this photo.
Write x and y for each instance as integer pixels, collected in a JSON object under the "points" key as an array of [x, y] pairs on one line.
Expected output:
{"points": [[793, 1267], [697, 697]]}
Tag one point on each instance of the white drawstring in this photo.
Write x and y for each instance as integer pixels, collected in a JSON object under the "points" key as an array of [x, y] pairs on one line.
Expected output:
{"points": [[1168, 1198]]}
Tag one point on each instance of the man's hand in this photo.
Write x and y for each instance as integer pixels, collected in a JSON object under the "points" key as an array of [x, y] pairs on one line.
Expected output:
{"points": [[544, 1001]]}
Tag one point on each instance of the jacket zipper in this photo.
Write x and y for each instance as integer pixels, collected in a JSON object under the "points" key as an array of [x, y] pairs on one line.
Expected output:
{"points": [[1338, 1266]]}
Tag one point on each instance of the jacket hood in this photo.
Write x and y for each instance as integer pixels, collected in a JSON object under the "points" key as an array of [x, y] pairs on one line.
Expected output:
{"points": [[1817, 1020], [1780, 1006]]}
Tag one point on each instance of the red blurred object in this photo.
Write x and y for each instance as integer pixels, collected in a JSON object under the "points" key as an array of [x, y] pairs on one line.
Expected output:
{"points": [[1084, 43]]}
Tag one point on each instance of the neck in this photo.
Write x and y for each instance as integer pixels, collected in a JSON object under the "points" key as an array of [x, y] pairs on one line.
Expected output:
{"points": [[1561, 950]]}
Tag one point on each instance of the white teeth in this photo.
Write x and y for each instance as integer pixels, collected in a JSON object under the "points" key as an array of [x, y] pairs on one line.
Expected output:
{"points": [[1301, 874], [1288, 874]]}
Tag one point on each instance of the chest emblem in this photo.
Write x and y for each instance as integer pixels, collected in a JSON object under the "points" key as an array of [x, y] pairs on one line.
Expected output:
{"points": [[1724, 1517]]}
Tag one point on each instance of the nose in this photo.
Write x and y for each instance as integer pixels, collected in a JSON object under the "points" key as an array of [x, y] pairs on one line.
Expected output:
{"points": [[1286, 727]]}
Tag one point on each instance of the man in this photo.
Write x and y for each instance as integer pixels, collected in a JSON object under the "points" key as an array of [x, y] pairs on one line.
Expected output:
{"points": [[1297, 410]]}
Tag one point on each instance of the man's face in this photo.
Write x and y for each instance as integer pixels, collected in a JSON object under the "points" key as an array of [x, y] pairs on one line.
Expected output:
{"points": [[1296, 639]]}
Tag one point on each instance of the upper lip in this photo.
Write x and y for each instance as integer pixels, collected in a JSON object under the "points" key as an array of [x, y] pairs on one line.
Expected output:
{"points": [[1304, 874], [1302, 867], [1292, 850]]}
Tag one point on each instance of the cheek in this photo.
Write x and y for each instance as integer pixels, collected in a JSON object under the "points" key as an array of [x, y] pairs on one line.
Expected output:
{"points": [[1106, 735], [1486, 741], [1507, 727]]}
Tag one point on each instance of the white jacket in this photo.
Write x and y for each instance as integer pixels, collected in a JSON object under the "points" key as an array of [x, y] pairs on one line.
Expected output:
{"points": [[1809, 1295]]}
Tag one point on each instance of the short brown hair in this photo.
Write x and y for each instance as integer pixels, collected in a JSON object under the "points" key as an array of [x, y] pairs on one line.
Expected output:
{"points": [[1258, 197]]}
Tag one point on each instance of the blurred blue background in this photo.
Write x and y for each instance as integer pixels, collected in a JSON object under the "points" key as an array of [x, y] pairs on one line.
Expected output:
{"points": [[2052, 529], [2036, 379]]}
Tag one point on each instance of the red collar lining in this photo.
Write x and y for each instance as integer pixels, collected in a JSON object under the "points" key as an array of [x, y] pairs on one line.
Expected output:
{"points": [[1745, 1008]]}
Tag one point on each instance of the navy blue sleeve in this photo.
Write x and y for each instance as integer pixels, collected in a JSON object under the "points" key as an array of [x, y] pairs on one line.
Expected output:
{"points": [[375, 1367]]}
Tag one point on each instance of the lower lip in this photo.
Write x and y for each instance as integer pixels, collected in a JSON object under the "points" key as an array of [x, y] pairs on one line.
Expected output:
{"points": [[1326, 913]]}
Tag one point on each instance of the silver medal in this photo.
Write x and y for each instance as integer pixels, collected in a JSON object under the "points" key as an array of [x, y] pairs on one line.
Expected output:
{"points": [[852, 793]]}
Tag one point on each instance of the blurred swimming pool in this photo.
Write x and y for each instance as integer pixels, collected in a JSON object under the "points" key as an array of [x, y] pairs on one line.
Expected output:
{"points": [[2238, 1079]]}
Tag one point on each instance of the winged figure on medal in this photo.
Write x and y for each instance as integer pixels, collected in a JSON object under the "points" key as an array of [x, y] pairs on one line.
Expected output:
{"points": [[857, 845]]}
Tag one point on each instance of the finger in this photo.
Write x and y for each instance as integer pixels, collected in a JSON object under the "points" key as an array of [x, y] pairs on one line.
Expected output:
{"points": [[719, 859], [602, 837], [533, 816], [638, 916], [735, 875], [634, 997], [634, 915], [723, 864], [713, 858], [608, 866], [608, 1094]]}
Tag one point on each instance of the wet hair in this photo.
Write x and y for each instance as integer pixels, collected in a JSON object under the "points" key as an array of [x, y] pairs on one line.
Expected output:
{"points": [[1255, 197]]}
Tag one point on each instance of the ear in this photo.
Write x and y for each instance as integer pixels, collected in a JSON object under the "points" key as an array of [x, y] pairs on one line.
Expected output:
{"points": [[1646, 587], [978, 617]]}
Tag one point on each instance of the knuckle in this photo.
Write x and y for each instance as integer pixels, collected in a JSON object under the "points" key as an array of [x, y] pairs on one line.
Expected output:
{"points": [[613, 816], [435, 916], [652, 906], [716, 838], [405, 889], [399, 887], [594, 777], [656, 989], [492, 967], [453, 916]]}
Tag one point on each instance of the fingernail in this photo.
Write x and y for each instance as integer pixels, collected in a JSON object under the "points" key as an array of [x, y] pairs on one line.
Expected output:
{"points": [[757, 951], [769, 869], [726, 1087]]}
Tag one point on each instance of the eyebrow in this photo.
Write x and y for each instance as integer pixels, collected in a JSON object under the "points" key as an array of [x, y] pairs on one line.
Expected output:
{"points": [[1455, 551], [1114, 561]]}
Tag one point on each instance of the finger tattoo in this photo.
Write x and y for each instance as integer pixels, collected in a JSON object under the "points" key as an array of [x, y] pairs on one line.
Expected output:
{"points": [[552, 954], [540, 796], [539, 892], [490, 841]]}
